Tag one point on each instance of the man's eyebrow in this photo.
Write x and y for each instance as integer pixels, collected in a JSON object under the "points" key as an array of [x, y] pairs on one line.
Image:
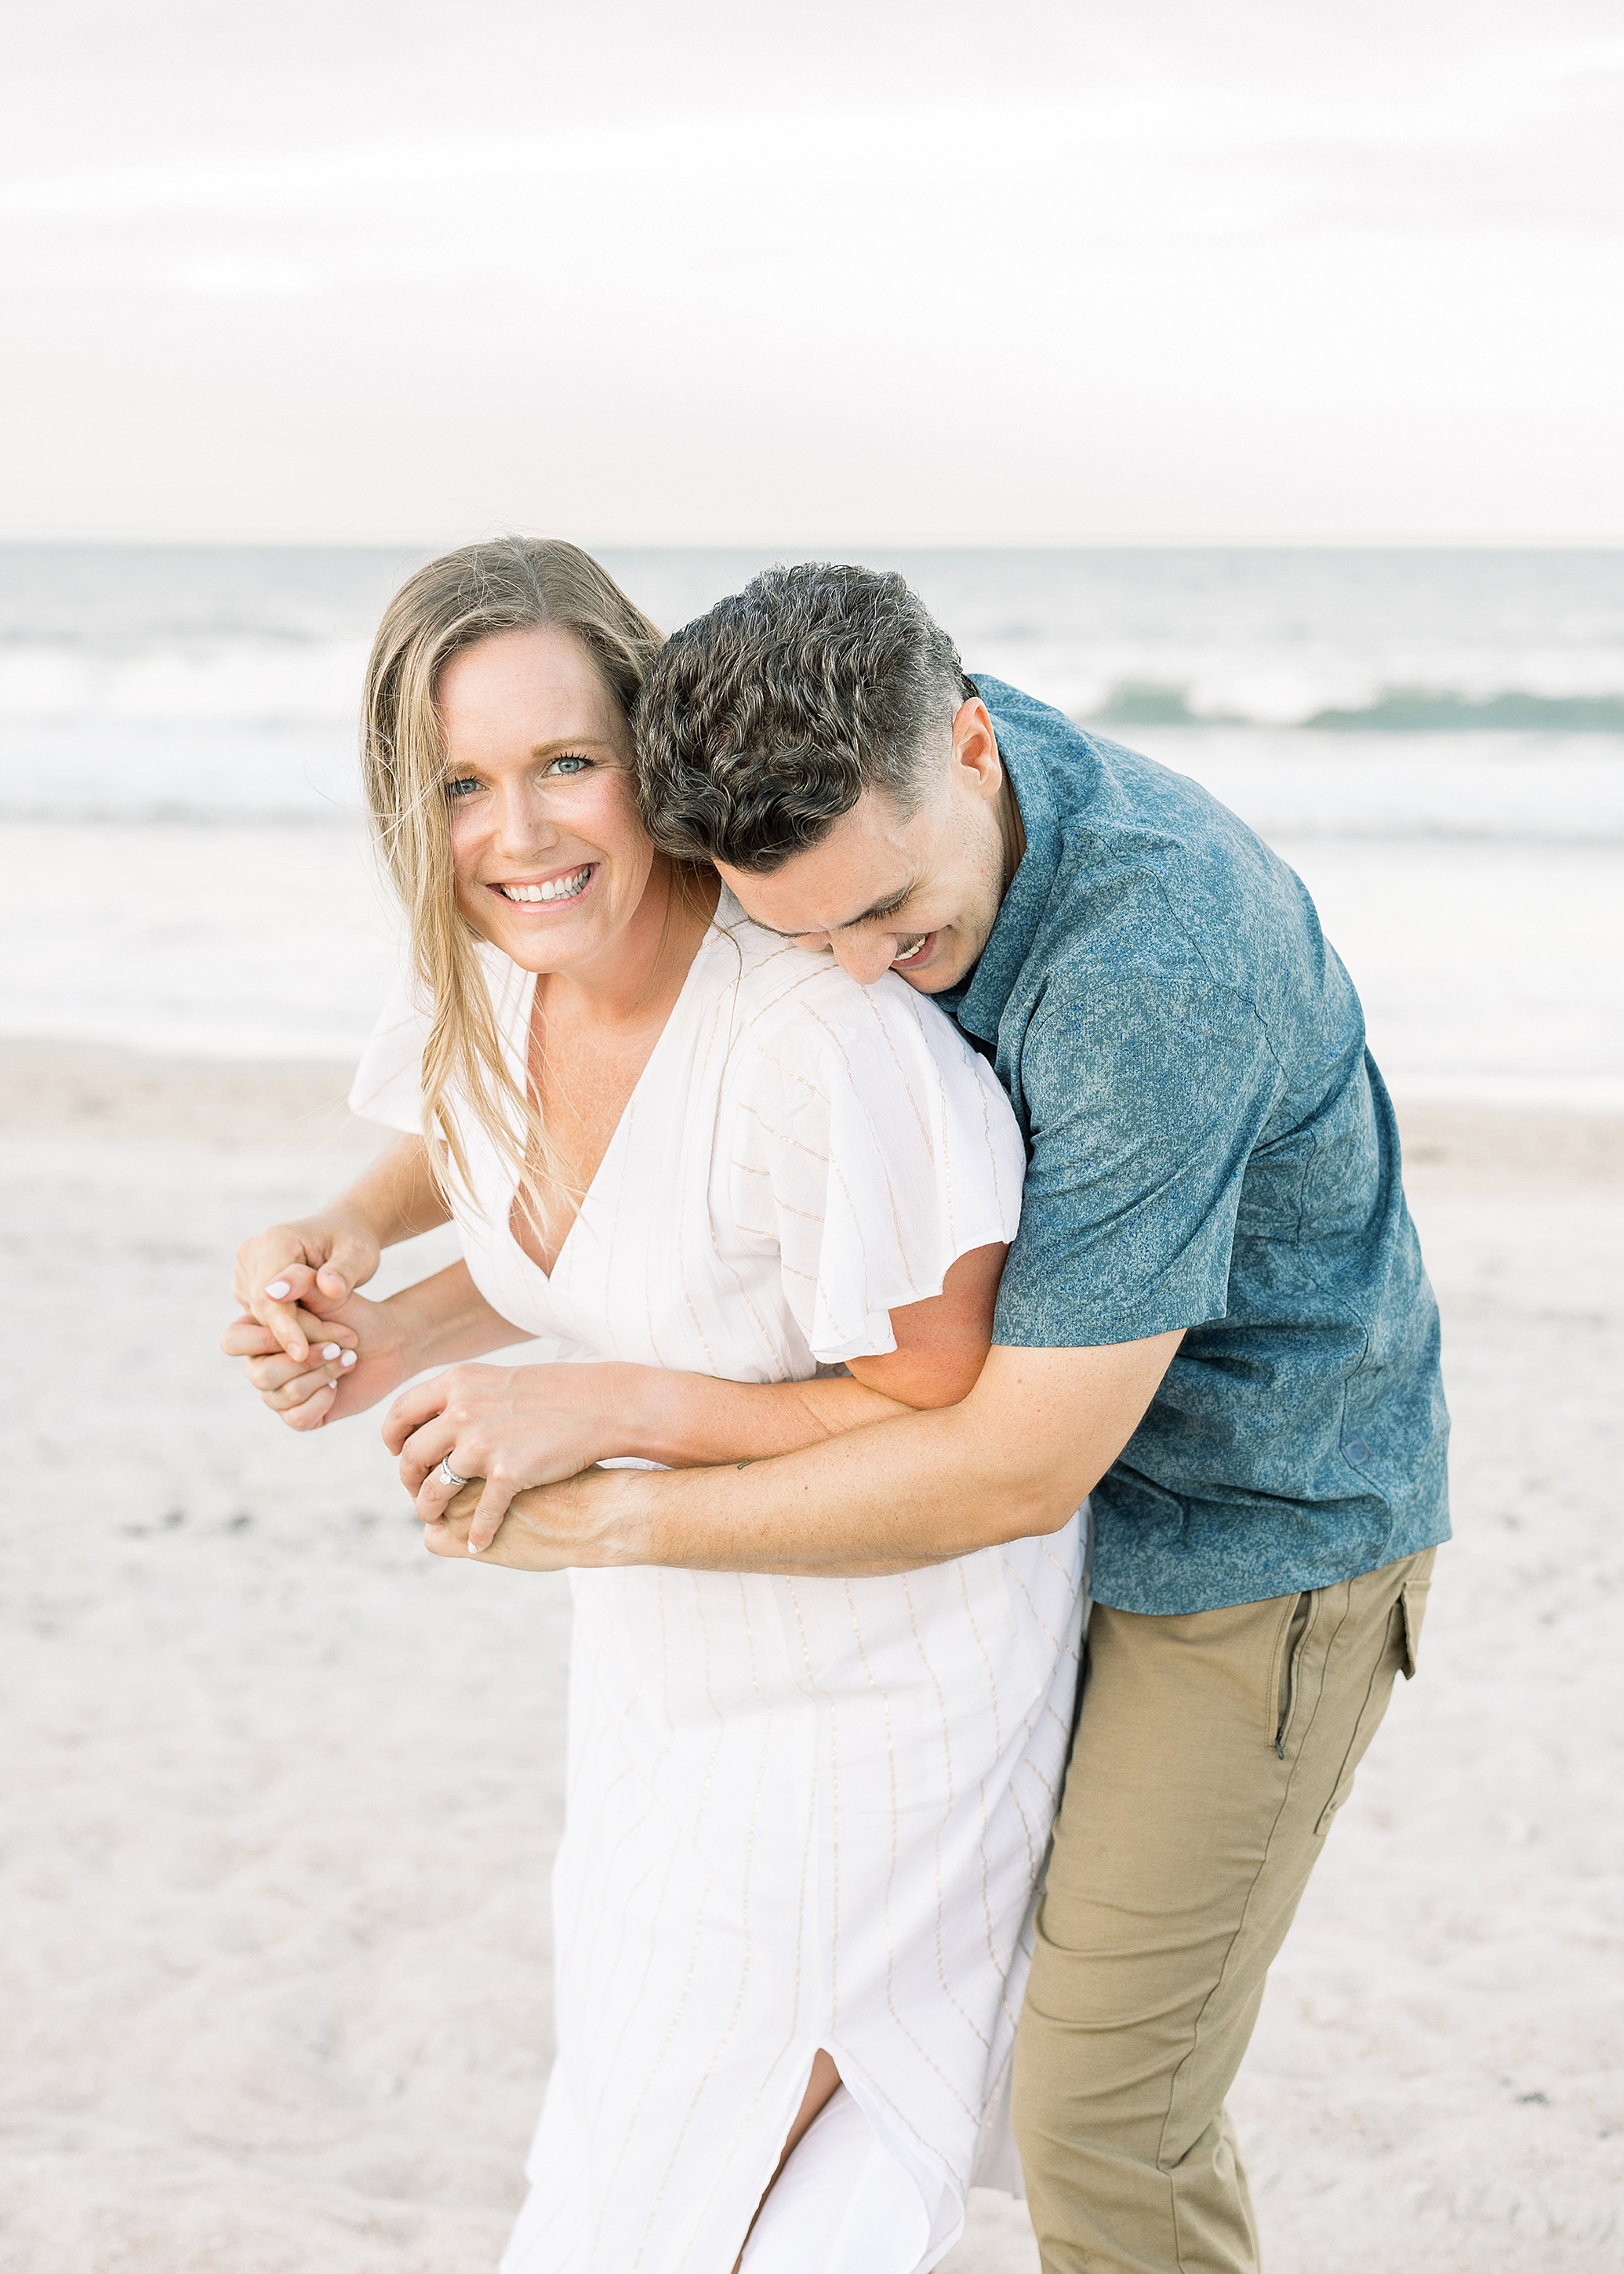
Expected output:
{"points": [[885, 908], [888, 908]]}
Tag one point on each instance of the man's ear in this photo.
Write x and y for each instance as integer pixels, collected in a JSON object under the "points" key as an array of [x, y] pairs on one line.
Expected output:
{"points": [[975, 749]]}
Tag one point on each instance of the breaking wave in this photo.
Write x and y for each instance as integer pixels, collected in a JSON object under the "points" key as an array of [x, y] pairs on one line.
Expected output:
{"points": [[1397, 710]]}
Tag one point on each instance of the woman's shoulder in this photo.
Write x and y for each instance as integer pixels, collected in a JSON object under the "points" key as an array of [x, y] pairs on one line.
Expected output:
{"points": [[873, 1094], [802, 1001], [803, 1028]]}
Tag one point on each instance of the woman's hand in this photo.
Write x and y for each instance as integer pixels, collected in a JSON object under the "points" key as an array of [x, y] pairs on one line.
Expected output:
{"points": [[511, 1427], [360, 1354], [320, 1262], [285, 1274]]}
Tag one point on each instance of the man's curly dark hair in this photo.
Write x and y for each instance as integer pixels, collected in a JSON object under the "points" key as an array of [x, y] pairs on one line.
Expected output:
{"points": [[766, 719]]}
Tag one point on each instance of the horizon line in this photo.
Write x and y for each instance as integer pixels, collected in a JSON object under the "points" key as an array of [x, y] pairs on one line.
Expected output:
{"points": [[824, 547]]}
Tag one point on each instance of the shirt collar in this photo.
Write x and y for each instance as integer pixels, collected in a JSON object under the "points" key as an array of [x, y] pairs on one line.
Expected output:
{"points": [[978, 1002]]}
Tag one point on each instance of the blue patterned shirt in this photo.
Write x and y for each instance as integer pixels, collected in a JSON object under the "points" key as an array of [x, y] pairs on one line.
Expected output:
{"points": [[1210, 1147]]}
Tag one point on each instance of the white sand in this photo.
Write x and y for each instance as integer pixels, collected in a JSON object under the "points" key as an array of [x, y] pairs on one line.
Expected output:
{"points": [[282, 1789]]}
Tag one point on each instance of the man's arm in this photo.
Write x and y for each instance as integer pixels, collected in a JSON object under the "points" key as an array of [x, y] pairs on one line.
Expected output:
{"points": [[519, 1427], [600, 1411], [1016, 1457]]}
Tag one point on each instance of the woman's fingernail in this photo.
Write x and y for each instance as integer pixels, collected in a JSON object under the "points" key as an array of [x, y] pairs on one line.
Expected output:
{"points": [[473, 1548], [348, 1358], [278, 1289], [329, 1350]]}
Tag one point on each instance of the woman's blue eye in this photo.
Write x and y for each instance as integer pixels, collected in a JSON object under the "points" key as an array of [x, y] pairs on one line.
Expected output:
{"points": [[569, 765], [464, 785]]}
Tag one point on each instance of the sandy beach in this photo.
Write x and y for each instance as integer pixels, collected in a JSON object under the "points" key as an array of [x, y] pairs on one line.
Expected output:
{"points": [[282, 1789]]}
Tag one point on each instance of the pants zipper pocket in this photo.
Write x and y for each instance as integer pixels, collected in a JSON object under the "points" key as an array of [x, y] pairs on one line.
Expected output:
{"points": [[1288, 1669]]}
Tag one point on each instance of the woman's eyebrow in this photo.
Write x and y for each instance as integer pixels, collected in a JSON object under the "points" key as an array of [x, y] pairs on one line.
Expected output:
{"points": [[571, 742]]}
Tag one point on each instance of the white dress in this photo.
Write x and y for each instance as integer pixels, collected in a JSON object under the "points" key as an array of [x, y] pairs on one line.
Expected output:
{"points": [[801, 1812]]}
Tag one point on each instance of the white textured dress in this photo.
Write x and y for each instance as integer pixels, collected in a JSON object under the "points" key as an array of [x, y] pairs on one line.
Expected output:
{"points": [[801, 1812]]}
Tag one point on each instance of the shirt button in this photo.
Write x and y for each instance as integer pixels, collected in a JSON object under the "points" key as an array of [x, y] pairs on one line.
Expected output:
{"points": [[1357, 1451]]}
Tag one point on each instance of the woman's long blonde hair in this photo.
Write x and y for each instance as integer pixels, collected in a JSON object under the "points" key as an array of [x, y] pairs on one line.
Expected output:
{"points": [[511, 583]]}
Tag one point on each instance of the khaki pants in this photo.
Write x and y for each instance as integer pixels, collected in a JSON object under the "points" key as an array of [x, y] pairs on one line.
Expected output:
{"points": [[1212, 1752]]}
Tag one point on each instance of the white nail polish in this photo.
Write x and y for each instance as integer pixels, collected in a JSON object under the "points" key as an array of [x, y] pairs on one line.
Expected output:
{"points": [[329, 1350], [278, 1289], [348, 1358], [472, 1549]]}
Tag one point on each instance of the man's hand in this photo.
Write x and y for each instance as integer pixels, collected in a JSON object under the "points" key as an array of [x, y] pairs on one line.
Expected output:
{"points": [[511, 1426], [1014, 1458], [517, 1544]]}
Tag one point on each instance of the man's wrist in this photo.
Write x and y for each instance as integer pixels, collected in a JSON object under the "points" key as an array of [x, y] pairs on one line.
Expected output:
{"points": [[618, 1511]]}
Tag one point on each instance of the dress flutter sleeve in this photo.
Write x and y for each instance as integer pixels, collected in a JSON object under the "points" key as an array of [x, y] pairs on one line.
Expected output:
{"points": [[873, 1148], [388, 1082]]}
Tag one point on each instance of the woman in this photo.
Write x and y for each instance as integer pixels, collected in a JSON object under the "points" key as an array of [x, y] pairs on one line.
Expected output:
{"points": [[806, 1816]]}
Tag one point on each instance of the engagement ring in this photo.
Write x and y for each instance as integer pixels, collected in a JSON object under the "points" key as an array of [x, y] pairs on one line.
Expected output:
{"points": [[449, 1473]]}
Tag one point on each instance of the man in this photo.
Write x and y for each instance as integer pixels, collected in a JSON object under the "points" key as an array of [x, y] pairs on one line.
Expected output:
{"points": [[1215, 1321]]}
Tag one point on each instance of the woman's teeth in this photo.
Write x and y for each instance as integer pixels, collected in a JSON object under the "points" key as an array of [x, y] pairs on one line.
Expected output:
{"points": [[909, 953], [557, 888]]}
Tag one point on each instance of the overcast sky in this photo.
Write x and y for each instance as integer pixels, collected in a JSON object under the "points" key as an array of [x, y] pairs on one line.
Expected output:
{"points": [[861, 270]]}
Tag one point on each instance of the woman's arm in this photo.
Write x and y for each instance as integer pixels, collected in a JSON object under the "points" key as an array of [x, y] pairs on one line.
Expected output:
{"points": [[689, 1421], [1022, 1451], [329, 1255], [522, 1425]]}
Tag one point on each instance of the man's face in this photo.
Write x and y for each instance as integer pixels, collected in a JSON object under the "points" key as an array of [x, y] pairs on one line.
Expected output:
{"points": [[915, 896]]}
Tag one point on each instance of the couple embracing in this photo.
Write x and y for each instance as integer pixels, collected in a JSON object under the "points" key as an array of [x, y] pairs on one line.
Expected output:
{"points": [[938, 1155]]}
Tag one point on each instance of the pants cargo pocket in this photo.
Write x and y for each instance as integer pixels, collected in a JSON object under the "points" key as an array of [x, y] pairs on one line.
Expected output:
{"points": [[1400, 1649], [1374, 1706], [1412, 1605]]}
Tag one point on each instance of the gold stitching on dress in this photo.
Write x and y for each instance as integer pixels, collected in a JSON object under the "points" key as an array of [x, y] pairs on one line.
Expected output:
{"points": [[890, 1948], [998, 1748], [855, 1091], [947, 1756], [744, 1972]]}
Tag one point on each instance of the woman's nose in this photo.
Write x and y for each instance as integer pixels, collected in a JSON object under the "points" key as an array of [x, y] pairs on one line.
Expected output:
{"points": [[522, 825]]}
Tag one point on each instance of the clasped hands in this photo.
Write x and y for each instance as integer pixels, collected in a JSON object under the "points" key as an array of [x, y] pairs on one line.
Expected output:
{"points": [[323, 1352]]}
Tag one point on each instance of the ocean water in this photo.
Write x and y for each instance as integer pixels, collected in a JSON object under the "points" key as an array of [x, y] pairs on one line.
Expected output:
{"points": [[1434, 741]]}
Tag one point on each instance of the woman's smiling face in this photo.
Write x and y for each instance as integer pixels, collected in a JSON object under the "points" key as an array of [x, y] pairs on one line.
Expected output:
{"points": [[550, 858]]}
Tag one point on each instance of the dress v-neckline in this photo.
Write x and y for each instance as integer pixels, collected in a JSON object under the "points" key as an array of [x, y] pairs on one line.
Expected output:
{"points": [[712, 930]]}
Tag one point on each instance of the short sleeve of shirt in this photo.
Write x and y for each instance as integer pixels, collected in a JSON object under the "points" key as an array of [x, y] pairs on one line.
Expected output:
{"points": [[873, 1148], [388, 1082], [1147, 1085]]}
